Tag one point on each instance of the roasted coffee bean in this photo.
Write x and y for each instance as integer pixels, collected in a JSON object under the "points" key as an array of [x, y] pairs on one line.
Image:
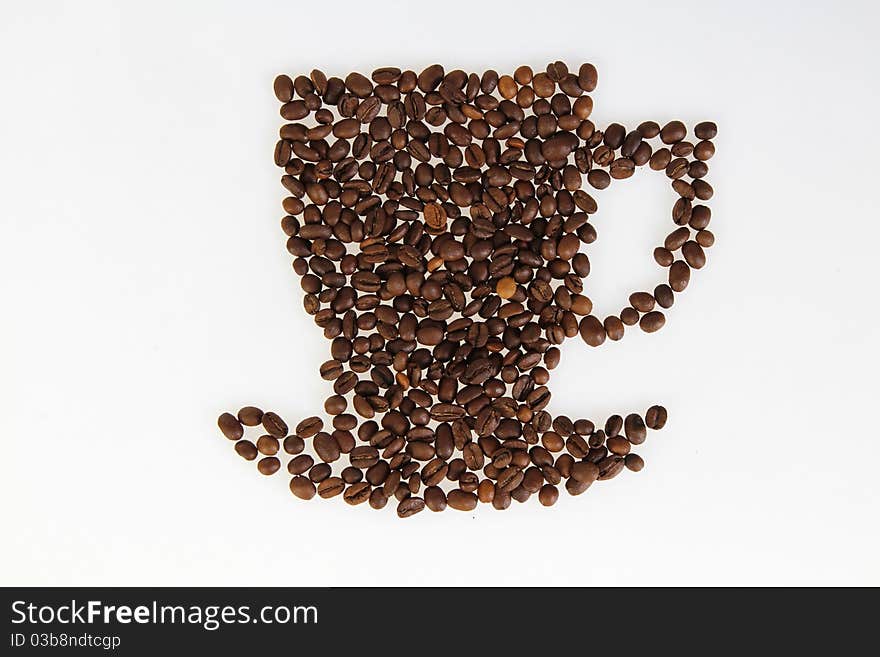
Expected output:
{"points": [[230, 426], [302, 487], [250, 416], [246, 450], [300, 464], [693, 254], [585, 472], [435, 498], [309, 427], [410, 506], [274, 425], [461, 500], [268, 445], [320, 472], [634, 429], [548, 495], [610, 467], [269, 465], [655, 417], [592, 331], [326, 447], [634, 462], [378, 499], [357, 493], [652, 321], [331, 487]]}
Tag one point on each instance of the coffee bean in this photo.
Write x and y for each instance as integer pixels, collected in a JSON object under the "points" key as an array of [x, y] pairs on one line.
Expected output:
{"points": [[610, 467], [642, 301], [326, 447], [673, 132], [283, 88], [506, 287], [634, 429], [309, 427], [693, 254], [634, 462], [461, 500], [378, 499], [269, 465], [410, 506], [268, 445], [246, 449], [592, 331], [320, 472], [548, 495], [706, 130], [435, 498], [302, 487], [652, 321], [655, 417], [357, 493], [230, 426], [679, 275], [250, 416], [331, 487], [274, 425], [585, 472]]}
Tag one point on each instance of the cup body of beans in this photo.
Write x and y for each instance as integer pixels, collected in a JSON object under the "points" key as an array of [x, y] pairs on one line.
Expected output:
{"points": [[440, 224]]}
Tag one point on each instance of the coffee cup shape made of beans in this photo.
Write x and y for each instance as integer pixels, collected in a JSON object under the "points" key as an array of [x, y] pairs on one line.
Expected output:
{"points": [[436, 221]]}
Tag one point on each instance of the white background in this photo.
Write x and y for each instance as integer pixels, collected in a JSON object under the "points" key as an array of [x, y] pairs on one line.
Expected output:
{"points": [[146, 288]]}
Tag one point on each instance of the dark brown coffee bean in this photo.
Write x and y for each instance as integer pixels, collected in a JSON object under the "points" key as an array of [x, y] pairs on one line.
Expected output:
{"points": [[435, 498], [364, 456], [269, 465], [357, 493], [706, 130], [655, 417], [378, 499], [664, 295], [302, 487], [268, 445], [283, 88], [693, 254], [663, 256], [309, 427], [634, 429], [246, 450], [585, 472], [642, 301], [587, 77], [230, 426], [274, 425], [610, 467], [679, 276], [653, 321], [461, 500], [331, 487], [592, 331], [575, 487], [548, 495], [326, 447], [300, 464], [320, 472], [410, 506], [634, 462], [672, 132], [250, 416]]}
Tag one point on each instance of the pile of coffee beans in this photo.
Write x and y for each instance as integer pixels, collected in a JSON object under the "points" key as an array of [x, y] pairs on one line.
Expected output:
{"points": [[436, 220]]}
